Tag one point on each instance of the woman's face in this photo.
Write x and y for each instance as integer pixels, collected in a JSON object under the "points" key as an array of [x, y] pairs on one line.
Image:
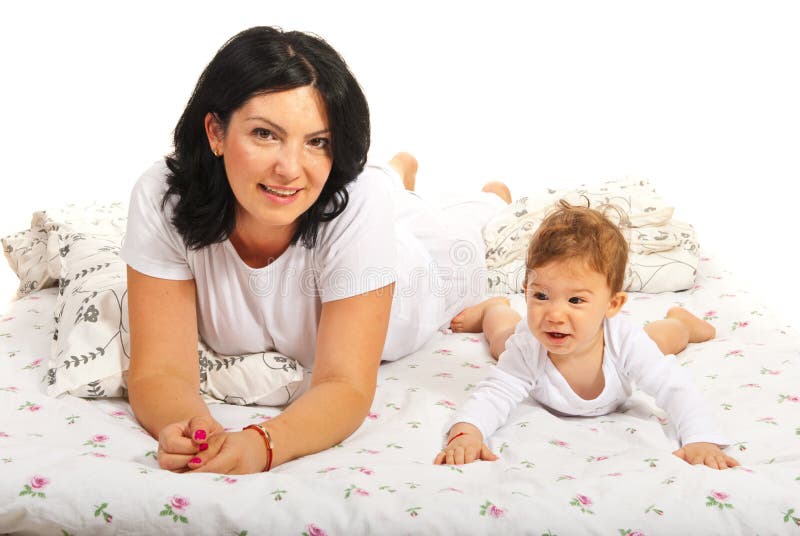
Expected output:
{"points": [[277, 154]]}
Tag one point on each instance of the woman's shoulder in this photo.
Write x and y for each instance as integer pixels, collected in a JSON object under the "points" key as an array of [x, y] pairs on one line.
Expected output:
{"points": [[369, 203], [372, 184], [153, 182]]}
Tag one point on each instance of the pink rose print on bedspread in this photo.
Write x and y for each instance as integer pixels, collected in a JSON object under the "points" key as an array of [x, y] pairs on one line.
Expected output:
{"points": [[176, 507], [97, 441], [355, 489], [788, 398], [30, 406], [490, 509], [629, 532], [652, 508], [101, 511], [447, 404], [313, 530], [583, 502], [35, 486], [718, 499], [33, 364]]}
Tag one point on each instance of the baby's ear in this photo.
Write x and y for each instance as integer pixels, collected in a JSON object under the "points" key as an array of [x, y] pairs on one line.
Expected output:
{"points": [[616, 303]]}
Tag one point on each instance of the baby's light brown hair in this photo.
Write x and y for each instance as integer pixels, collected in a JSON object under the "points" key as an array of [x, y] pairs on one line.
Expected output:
{"points": [[575, 233]]}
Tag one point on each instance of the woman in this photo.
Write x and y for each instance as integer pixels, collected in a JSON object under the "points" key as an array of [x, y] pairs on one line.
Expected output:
{"points": [[266, 230], [256, 233]]}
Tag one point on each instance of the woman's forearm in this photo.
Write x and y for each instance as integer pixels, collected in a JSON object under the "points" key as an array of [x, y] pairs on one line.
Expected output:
{"points": [[161, 400], [314, 423]]}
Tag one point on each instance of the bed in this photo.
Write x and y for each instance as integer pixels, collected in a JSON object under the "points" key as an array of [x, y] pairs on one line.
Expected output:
{"points": [[73, 465]]}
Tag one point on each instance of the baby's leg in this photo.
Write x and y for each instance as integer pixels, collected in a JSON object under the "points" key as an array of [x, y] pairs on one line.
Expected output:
{"points": [[494, 317], [470, 320], [679, 329], [499, 323]]}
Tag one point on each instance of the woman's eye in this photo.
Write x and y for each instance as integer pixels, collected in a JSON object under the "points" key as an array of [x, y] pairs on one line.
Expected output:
{"points": [[575, 300], [320, 143], [263, 133]]}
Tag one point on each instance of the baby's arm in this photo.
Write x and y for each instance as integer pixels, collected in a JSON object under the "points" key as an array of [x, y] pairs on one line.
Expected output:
{"points": [[464, 445], [663, 378], [493, 399]]}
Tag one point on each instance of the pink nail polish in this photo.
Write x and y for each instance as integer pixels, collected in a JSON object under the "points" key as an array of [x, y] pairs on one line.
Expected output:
{"points": [[200, 435], [195, 460], [203, 446]]}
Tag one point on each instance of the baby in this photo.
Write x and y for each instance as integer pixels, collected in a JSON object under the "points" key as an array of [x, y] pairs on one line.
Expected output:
{"points": [[573, 353]]}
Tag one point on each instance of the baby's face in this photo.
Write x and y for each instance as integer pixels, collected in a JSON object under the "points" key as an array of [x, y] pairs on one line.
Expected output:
{"points": [[567, 302]]}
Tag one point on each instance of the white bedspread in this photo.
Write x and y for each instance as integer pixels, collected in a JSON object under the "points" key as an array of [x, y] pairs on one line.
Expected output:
{"points": [[73, 466]]}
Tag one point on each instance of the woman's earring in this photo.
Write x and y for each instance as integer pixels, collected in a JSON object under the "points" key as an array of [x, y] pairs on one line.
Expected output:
{"points": [[216, 153]]}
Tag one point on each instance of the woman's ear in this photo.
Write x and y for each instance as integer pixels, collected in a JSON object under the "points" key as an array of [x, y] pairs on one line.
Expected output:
{"points": [[214, 132], [616, 303]]}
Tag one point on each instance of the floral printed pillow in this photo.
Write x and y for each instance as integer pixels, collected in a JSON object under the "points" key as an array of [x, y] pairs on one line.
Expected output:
{"points": [[35, 258], [90, 350], [26, 253], [663, 252]]}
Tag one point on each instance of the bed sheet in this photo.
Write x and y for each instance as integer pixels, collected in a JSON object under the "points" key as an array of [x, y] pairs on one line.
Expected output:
{"points": [[74, 466]]}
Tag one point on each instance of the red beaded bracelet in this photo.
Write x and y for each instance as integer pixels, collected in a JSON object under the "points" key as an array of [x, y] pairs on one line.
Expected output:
{"points": [[267, 442], [455, 436]]}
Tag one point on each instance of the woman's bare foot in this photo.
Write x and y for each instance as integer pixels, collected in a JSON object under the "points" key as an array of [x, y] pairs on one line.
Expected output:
{"points": [[699, 329], [499, 189], [470, 320], [406, 165]]}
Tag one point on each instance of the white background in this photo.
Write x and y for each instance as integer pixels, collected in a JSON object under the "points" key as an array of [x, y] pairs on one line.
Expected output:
{"points": [[700, 97]]}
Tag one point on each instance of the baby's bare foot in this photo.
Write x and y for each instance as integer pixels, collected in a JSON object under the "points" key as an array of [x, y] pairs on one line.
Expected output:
{"points": [[699, 329], [406, 165], [470, 320], [499, 189]]}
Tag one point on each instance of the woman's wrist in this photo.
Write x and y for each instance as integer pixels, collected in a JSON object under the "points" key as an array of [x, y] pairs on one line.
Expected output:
{"points": [[267, 442]]}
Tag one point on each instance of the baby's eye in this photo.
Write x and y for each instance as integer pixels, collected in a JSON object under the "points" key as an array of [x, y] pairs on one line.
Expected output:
{"points": [[576, 300], [539, 296], [263, 133], [320, 143]]}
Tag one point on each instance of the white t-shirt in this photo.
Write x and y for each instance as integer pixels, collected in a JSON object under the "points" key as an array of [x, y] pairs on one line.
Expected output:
{"points": [[629, 356], [371, 244]]}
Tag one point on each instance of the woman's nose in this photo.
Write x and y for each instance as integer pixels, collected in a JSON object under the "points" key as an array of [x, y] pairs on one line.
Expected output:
{"points": [[289, 158]]}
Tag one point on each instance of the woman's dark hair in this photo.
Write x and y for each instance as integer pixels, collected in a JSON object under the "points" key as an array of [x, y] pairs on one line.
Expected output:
{"points": [[255, 62]]}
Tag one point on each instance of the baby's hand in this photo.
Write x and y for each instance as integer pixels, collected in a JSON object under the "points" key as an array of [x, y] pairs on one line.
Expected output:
{"points": [[705, 453], [464, 445]]}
